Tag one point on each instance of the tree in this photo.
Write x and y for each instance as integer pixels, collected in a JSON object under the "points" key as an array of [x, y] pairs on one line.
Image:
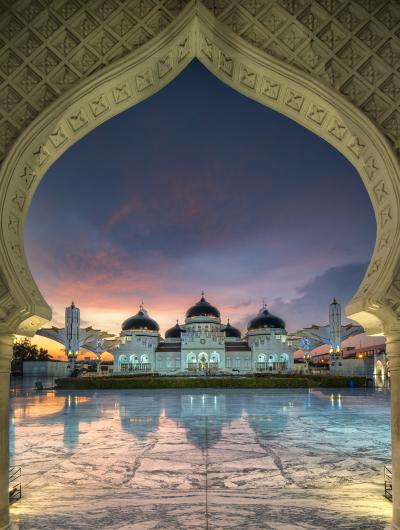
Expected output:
{"points": [[23, 350]]}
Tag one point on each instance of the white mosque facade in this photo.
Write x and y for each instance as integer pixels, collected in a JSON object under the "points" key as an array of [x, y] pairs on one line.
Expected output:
{"points": [[203, 344]]}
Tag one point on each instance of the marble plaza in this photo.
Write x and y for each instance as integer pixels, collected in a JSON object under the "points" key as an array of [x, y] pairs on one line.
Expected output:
{"points": [[187, 459]]}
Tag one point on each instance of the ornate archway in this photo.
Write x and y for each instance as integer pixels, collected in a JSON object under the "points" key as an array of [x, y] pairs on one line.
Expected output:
{"points": [[272, 82], [69, 67]]}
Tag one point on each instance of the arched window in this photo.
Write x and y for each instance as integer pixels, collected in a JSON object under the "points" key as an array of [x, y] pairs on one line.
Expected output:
{"points": [[271, 361], [144, 358], [191, 358], [214, 357], [133, 359], [379, 369], [284, 358], [122, 363], [261, 358]]}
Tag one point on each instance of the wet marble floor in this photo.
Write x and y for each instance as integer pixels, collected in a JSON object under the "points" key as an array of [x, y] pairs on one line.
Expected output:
{"points": [[193, 459]]}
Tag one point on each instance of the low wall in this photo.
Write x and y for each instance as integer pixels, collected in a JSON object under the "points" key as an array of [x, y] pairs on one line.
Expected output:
{"points": [[45, 368]]}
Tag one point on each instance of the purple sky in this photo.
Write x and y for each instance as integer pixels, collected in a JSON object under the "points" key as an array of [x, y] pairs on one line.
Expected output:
{"points": [[199, 188]]}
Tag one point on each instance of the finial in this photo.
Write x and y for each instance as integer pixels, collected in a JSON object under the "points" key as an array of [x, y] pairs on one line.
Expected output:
{"points": [[141, 306], [177, 322], [263, 303], [72, 304], [202, 293], [334, 301]]}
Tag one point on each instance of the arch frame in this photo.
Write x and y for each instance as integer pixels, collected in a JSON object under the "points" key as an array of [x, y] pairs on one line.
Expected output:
{"points": [[197, 34]]}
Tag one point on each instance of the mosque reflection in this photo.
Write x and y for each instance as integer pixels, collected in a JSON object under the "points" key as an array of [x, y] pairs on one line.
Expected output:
{"points": [[202, 415]]}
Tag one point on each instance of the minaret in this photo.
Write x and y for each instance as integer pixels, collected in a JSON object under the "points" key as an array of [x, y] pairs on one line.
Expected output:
{"points": [[335, 324], [72, 323]]}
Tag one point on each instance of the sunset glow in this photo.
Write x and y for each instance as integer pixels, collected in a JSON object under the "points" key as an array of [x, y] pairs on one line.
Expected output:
{"points": [[168, 199]]}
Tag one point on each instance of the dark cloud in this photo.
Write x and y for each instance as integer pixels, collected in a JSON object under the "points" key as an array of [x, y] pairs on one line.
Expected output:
{"points": [[240, 305], [316, 295], [171, 197]]}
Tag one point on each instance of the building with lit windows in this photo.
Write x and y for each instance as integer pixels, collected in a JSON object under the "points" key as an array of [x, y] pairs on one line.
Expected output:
{"points": [[203, 344]]}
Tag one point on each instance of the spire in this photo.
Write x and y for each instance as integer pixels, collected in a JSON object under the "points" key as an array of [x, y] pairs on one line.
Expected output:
{"points": [[334, 301], [264, 304]]}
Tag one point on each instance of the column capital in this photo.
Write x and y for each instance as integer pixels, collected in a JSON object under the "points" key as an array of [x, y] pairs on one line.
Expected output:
{"points": [[6, 351]]}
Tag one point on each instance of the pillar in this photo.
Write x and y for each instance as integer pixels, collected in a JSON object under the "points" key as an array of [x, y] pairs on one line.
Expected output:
{"points": [[6, 347], [393, 352]]}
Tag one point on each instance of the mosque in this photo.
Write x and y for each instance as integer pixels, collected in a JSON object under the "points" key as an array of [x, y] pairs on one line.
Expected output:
{"points": [[203, 344]]}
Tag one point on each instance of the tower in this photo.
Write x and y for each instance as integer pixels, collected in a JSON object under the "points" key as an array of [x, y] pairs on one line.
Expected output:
{"points": [[335, 324], [72, 323]]}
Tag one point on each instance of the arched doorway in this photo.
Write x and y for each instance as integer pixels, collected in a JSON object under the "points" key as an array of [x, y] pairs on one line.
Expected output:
{"points": [[251, 71], [379, 369]]}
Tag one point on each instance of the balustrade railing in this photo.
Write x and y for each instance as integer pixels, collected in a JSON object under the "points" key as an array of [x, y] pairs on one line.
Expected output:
{"points": [[14, 484], [196, 367], [387, 473], [271, 367], [135, 367]]}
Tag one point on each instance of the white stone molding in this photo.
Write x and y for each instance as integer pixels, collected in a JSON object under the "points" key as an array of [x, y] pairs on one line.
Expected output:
{"points": [[272, 81]]}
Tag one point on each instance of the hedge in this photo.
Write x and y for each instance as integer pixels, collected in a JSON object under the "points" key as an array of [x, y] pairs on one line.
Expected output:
{"points": [[127, 382]]}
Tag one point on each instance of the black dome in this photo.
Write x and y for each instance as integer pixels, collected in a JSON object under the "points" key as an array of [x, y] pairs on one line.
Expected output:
{"points": [[202, 309], [264, 319], [174, 333], [140, 322], [231, 331]]}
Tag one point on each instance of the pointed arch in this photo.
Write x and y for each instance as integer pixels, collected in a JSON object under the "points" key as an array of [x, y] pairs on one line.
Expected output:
{"points": [[273, 83]]}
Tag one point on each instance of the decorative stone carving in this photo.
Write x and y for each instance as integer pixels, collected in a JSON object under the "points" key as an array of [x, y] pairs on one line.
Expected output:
{"points": [[99, 105], [316, 114], [294, 100], [270, 88], [247, 77], [354, 47], [226, 64], [144, 80], [74, 65], [78, 119], [121, 92]]}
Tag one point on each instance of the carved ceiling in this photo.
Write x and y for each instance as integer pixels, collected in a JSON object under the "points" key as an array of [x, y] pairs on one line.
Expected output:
{"points": [[353, 47], [47, 46]]}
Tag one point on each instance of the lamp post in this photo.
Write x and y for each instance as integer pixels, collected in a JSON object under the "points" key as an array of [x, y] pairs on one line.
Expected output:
{"points": [[306, 344], [99, 350]]}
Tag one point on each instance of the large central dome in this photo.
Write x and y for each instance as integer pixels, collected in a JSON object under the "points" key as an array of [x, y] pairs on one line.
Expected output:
{"points": [[264, 319], [140, 322], [202, 309]]}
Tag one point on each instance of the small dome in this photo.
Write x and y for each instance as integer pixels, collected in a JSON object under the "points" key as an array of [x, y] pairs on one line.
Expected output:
{"points": [[264, 319], [174, 333], [202, 309], [140, 322], [231, 331]]}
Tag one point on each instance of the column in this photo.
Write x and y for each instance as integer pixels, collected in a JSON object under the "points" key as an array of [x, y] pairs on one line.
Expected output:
{"points": [[6, 346], [393, 352]]}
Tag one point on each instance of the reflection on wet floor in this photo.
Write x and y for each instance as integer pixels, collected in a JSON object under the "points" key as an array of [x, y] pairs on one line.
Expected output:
{"points": [[177, 458]]}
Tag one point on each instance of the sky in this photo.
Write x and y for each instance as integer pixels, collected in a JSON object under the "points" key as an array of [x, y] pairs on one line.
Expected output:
{"points": [[199, 188]]}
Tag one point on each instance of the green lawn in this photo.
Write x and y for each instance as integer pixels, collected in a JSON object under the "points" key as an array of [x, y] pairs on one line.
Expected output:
{"points": [[270, 381]]}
